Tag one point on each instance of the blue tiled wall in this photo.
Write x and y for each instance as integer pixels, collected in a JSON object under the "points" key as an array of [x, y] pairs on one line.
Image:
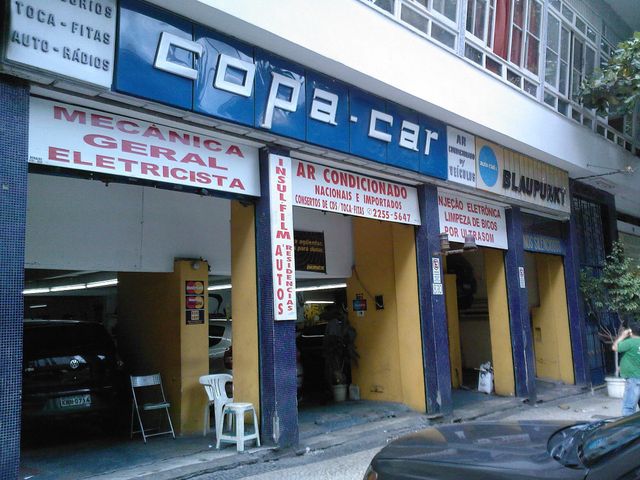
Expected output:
{"points": [[277, 340], [433, 316], [521, 339], [14, 111]]}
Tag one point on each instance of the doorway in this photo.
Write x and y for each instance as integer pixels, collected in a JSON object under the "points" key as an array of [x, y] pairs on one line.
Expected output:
{"points": [[549, 317], [478, 319]]}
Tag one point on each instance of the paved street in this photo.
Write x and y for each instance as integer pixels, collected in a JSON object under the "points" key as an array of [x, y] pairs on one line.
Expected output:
{"points": [[348, 457]]}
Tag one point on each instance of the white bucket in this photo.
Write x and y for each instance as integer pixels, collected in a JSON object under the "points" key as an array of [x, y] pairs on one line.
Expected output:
{"points": [[615, 386]]}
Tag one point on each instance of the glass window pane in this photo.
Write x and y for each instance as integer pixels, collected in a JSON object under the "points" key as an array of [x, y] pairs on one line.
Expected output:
{"points": [[580, 25], [551, 68], [518, 12], [384, 4], [493, 66], [564, 44], [414, 19], [589, 60], [470, 10], [563, 107], [513, 77], [555, 4], [516, 45], [448, 8], [473, 54], [563, 79], [531, 88], [553, 33], [550, 99], [443, 36], [578, 47], [479, 24], [535, 15], [533, 46], [567, 13]]}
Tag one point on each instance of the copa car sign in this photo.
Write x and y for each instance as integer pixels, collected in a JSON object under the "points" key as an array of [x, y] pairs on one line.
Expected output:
{"points": [[167, 59]]}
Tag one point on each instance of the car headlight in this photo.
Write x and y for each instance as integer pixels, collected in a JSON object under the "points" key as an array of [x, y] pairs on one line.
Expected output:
{"points": [[370, 474]]}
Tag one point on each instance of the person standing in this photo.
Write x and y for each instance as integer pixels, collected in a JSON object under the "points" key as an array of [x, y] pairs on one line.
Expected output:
{"points": [[628, 344]]}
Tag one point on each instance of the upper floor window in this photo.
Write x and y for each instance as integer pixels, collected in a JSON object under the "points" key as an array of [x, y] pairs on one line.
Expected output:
{"points": [[480, 17], [518, 26]]}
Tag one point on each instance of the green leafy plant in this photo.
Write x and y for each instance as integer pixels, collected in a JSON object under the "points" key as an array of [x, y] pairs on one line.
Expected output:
{"points": [[615, 88], [339, 347], [612, 297]]}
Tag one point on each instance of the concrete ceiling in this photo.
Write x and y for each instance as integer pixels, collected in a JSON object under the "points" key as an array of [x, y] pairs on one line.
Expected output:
{"points": [[628, 11]]}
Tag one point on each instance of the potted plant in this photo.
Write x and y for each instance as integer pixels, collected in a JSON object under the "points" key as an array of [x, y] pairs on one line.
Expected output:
{"points": [[612, 298], [339, 351]]}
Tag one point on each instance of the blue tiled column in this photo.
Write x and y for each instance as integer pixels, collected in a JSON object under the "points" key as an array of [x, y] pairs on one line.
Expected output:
{"points": [[14, 123], [433, 314], [521, 337], [277, 339], [577, 327]]}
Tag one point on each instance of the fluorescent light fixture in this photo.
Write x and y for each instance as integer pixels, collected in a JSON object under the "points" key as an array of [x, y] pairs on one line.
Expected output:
{"points": [[66, 288], [226, 286], [328, 302], [38, 306], [321, 287], [103, 283], [35, 291]]}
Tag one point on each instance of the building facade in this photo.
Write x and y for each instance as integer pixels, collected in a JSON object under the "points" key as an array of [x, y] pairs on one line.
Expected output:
{"points": [[303, 148]]}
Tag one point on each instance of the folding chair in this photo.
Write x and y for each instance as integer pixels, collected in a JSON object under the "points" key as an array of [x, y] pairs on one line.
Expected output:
{"points": [[148, 396], [214, 387]]}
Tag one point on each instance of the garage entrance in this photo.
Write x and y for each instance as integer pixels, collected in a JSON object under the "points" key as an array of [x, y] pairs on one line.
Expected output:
{"points": [[478, 316], [358, 327], [549, 317]]}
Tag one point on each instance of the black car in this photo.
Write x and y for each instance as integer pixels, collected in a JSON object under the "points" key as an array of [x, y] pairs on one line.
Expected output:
{"points": [[70, 368], [603, 450]]}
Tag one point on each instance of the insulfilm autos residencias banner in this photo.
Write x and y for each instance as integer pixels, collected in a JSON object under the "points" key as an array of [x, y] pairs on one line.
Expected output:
{"points": [[75, 137], [282, 245], [329, 189]]}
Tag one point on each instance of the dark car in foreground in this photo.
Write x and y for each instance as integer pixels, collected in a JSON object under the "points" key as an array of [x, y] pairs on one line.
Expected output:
{"points": [[70, 368], [602, 450]]}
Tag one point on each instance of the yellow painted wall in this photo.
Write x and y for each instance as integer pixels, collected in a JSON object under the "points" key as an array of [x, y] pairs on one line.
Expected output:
{"points": [[551, 322], [153, 337], [244, 300], [453, 321], [501, 352], [389, 341]]}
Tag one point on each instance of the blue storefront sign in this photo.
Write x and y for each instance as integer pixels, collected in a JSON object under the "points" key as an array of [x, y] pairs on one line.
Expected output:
{"points": [[165, 58]]}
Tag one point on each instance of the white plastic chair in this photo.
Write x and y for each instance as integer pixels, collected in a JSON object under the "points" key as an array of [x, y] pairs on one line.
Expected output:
{"points": [[214, 386], [149, 397]]}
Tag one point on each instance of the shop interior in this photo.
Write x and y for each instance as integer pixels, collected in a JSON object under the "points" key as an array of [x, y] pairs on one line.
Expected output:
{"points": [[478, 320]]}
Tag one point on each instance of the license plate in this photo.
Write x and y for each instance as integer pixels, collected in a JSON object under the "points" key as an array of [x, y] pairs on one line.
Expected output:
{"points": [[75, 401]]}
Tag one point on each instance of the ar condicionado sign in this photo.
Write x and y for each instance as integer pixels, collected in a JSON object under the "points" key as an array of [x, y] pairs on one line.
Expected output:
{"points": [[79, 138]]}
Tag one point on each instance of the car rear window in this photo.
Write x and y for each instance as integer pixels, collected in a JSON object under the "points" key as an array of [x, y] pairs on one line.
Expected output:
{"points": [[215, 334], [64, 338]]}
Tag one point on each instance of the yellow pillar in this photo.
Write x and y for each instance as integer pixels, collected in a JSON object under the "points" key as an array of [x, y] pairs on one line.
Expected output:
{"points": [[244, 301], [408, 317], [388, 340], [453, 321], [501, 352]]}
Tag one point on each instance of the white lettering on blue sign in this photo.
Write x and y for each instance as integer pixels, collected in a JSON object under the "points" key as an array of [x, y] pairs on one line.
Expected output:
{"points": [[376, 116], [284, 93], [287, 101], [162, 61], [324, 106], [225, 62]]}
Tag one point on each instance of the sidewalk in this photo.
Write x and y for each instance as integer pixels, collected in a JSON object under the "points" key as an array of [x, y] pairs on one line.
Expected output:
{"points": [[346, 426]]}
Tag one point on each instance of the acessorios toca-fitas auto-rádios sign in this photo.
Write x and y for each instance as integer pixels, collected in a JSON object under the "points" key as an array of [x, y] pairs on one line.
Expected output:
{"points": [[69, 39]]}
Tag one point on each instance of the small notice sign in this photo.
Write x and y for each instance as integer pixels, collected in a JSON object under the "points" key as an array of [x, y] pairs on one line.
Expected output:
{"points": [[194, 302]]}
